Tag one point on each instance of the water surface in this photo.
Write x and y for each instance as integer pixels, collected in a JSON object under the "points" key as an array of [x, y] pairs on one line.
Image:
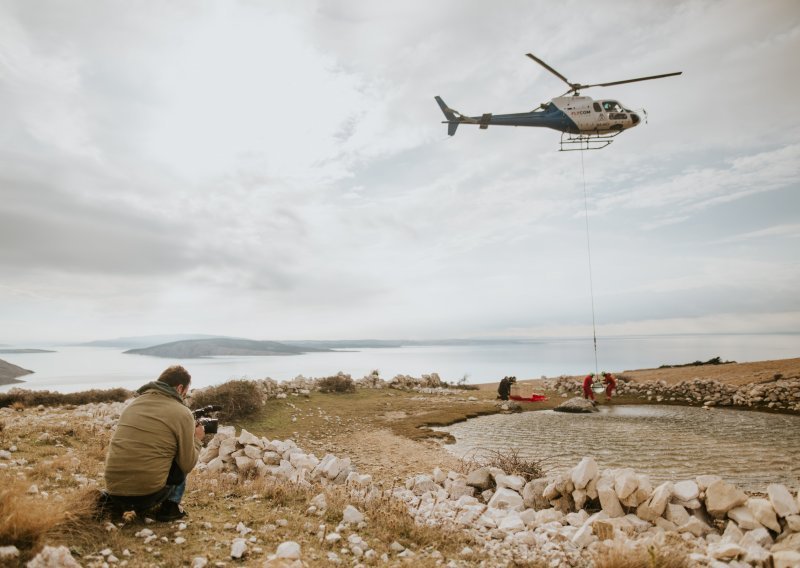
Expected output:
{"points": [[750, 449]]}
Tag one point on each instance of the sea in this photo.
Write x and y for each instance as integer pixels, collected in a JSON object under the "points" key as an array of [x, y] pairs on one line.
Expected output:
{"points": [[78, 368]]}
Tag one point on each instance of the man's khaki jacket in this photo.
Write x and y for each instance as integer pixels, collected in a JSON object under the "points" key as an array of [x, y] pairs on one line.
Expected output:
{"points": [[155, 428]]}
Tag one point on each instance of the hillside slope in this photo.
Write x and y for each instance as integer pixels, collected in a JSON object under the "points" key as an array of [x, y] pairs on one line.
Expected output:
{"points": [[9, 373]]}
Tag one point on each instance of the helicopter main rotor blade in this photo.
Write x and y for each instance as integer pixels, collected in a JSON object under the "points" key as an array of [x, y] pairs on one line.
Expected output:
{"points": [[631, 80], [553, 71]]}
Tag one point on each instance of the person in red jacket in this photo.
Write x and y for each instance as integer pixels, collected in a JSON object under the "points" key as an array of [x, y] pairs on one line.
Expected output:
{"points": [[611, 384], [587, 386]]}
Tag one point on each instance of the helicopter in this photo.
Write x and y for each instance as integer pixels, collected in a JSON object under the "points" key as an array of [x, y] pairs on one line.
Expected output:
{"points": [[584, 123]]}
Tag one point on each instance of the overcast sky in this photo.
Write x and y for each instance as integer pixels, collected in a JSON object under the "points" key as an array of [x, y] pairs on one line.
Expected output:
{"points": [[278, 170]]}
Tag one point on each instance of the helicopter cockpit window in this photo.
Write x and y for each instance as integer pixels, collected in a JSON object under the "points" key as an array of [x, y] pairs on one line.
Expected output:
{"points": [[612, 106]]}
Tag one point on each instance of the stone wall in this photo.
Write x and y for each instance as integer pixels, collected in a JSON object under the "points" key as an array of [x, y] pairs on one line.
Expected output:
{"points": [[779, 393]]}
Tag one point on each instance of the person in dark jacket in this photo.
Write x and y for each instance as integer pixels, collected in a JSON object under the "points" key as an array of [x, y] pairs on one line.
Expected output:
{"points": [[156, 444], [504, 389]]}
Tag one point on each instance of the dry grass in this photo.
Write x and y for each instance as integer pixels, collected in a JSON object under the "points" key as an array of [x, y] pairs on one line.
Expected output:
{"points": [[27, 521], [629, 554]]}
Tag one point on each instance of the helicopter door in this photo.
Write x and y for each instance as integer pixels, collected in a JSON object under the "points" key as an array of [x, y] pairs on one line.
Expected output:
{"points": [[614, 110]]}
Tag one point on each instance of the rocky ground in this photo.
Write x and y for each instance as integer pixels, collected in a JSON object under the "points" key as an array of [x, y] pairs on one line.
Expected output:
{"points": [[50, 454]]}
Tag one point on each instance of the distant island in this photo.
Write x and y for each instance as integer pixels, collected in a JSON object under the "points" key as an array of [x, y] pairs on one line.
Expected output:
{"points": [[17, 351], [221, 346], [9, 373]]}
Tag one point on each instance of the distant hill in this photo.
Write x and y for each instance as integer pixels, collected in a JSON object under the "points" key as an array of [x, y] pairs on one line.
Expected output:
{"points": [[9, 372], [373, 343], [145, 340], [194, 348], [7, 351]]}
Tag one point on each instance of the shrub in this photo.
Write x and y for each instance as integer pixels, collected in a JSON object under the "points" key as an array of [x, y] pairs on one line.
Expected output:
{"points": [[613, 554], [18, 399], [239, 399], [509, 461], [337, 383]]}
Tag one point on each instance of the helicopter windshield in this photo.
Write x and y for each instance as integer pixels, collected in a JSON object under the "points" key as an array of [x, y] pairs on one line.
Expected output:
{"points": [[612, 106]]}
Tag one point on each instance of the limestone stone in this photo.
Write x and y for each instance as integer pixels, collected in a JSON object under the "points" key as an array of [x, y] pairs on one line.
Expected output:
{"points": [[791, 542], [705, 481], [793, 523], [785, 559], [244, 464], [238, 548], [53, 557], [764, 513], [721, 497], [506, 499], [584, 472], [351, 515], [550, 492], [744, 518], [759, 536], [512, 523], [625, 483], [289, 550], [660, 497], [664, 524], [608, 499], [696, 527], [579, 497], [781, 500], [576, 405], [227, 447], [677, 514], [685, 490], [246, 438], [756, 555], [725, 550], [513, 482], [480, 478], [533, 494], [732, 532], [584, 536]]}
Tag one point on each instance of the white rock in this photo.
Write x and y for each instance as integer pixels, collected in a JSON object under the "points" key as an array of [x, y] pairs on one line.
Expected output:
{"points": [[725, 550], [584, 536], [320, 502], [227, 447], [756, 555], [506, 499], [9, 552], [721, 497], [246, 438], [513, 482], [33, 490], [253, 452], [782, 500], [244, 464], [584, 472], [199, 562], [786, 559], [732, 533], [759, 536], [696, 527], [579, 496], [289, 550], [764, 513], [238, 548], [439, 476], [677, 514], [333, 537], [705, 481], [744, 518], [53, 557], [625, 483], [512, 523], [352, 515], [686, 491], [793, 523], [661, 496], [608, 498]]}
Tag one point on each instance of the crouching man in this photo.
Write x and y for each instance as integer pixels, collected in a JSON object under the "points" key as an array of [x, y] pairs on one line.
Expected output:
{"points": [[156, 444]]}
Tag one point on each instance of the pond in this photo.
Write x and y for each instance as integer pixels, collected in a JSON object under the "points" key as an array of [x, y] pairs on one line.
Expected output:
{"points": [[749, 449]]}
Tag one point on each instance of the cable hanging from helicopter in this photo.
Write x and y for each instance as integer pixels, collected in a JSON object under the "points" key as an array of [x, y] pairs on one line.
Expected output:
{"points": [[584, 123]]}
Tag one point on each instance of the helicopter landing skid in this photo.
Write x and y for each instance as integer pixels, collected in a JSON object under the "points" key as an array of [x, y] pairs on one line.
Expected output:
{"points": [[572, 142]]}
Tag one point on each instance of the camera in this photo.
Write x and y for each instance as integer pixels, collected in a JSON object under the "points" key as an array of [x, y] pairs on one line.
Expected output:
{"points": [[202, 418]]}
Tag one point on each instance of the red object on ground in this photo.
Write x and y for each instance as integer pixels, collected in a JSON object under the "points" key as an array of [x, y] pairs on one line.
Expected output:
{"points": [[533, 398]]}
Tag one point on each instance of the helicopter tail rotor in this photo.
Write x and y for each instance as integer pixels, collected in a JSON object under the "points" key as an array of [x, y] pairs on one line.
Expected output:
{"points": [[452, 120]]}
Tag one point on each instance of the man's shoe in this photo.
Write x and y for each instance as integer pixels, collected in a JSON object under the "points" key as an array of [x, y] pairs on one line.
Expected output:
{"points": [[169, 511]]}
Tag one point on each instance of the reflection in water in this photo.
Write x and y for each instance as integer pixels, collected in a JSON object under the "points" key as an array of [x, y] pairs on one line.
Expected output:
{"points": [[750, 449]]}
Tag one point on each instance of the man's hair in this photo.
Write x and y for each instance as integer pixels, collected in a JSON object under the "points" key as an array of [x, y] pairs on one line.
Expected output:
{"points": [[175, 375]]}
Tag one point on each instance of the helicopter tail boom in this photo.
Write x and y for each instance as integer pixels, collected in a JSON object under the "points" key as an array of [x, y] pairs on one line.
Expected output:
{"points": [[452, 120]]}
